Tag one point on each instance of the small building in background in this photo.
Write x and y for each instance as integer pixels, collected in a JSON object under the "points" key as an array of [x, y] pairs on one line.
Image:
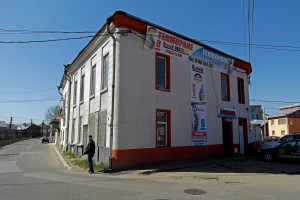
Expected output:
{"points": [[286, 121]]}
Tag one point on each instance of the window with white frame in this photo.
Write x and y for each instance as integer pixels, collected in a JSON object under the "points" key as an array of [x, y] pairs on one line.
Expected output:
{"points": [[282, 121], [73, 130], [291, 121], [272, 122], [75, 93], [105, 70], [81, 130], [82, 87], [282, 132], [162, 128], [93, 80]]}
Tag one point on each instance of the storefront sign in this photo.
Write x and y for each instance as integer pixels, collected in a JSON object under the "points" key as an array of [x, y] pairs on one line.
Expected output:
{"points": [[172, 45], [256, 112], [227, 113], [199, 138]]}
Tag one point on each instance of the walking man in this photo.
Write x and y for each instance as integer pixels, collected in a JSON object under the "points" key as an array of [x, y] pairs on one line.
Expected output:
{"points": [[90, 151]]}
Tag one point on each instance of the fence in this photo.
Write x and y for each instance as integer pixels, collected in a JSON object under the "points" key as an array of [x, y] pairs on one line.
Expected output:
{"points": [[8, 136]]}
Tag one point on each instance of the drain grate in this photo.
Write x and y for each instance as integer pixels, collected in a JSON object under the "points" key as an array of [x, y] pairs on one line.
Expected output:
{"points": [[195, 191]]}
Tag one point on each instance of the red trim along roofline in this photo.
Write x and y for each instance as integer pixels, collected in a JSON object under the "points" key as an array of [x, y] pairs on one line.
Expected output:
{"points": [[123, 20]]}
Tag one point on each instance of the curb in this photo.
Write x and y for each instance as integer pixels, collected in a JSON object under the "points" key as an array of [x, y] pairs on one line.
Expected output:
{"points": [[148, 172], [67, 166]]}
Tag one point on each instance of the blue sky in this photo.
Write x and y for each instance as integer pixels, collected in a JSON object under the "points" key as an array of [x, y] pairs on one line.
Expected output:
{"points": [[36, 67]]}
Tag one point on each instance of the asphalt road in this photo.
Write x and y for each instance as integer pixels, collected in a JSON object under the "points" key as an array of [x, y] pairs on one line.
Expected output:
{"points": [[31, 170]]}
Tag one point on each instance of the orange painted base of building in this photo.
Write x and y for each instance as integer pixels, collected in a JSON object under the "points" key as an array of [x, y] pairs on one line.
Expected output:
{"points": [[124, 159]]}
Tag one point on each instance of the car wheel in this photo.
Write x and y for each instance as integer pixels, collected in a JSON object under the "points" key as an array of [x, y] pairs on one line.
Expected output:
{"points": [[268, 157]]}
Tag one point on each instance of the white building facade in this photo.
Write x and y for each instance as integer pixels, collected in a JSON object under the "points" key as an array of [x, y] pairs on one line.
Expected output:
{"points": [[147, 94]]}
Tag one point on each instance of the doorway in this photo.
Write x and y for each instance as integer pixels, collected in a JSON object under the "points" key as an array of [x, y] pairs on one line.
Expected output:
{"points": [[227, 136], [243, 135]]}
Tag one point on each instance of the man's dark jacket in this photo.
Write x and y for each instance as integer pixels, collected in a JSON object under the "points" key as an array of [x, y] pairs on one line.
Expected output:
{"points": [[90, 148]]}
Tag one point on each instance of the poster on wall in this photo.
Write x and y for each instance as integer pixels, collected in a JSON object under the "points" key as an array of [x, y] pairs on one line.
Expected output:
{"points": [[199, 138], [198, 117], [172, 45], [198, 93]]}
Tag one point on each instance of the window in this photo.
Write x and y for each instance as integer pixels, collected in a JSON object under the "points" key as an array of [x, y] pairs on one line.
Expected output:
{"points": [[82, 88], [73, 130], [93, 80], [272, 122], [162, 72], [273, 132], [75, 93], [241, 90], [289, 144], [105, 70], [225, 87], [282, 121], [291, 121], [282, 133], [163, 128], [81, 130]]}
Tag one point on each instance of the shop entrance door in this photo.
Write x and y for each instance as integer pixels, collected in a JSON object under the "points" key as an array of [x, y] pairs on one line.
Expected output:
{"points": [[243, 135], [227, 136]]}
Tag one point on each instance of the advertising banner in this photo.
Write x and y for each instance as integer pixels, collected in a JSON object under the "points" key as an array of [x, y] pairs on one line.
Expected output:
{"points": [[256, 112], [198, 117], [198, 93], [172, 45], [199, 138]]}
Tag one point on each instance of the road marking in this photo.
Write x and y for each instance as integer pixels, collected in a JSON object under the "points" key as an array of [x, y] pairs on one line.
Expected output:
{"points": [[31, 153], [55, 177], [8, 167]]}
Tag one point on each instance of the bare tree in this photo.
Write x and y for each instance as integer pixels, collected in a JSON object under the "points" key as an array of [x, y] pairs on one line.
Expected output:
{"points": [[51, 113]]}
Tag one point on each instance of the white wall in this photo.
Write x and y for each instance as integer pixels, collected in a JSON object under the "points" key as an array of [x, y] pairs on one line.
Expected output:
{"points": [[138, 99]]}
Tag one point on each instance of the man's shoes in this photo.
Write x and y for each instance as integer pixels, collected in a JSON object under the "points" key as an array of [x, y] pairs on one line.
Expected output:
{"points": [[91, 172]]}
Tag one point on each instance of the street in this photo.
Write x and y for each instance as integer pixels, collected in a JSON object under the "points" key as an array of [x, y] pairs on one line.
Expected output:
{"points": [[32, 170]]}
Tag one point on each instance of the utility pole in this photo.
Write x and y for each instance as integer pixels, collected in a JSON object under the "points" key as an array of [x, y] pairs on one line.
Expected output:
{"points": [[31, 131], [265, 133], [42, 128], [10, 123]]}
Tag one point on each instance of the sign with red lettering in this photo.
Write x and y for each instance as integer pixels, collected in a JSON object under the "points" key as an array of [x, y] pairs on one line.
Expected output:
{"points": [[199, 138], [170, 44], [227, 113]]}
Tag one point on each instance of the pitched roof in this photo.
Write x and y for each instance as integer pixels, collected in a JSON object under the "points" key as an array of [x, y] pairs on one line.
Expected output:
{"points": [[285, 111]]}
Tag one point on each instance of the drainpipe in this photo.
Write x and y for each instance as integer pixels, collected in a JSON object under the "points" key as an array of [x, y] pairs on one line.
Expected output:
{"points": [[109, 20]]}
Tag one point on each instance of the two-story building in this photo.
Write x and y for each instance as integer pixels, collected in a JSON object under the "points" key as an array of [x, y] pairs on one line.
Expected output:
{"points": [[285, 121], [148, 94]]}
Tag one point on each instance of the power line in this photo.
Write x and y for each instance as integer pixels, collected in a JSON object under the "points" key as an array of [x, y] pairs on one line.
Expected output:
{"points": [[28, 92], [16, 31], [30, 100], [275, 101]]}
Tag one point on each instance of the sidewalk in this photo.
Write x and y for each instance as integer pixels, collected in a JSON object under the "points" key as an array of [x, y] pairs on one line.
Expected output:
{"points": [[177, 165]]}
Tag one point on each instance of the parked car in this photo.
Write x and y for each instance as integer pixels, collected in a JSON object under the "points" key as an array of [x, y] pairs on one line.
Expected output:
{"points": [[288, 150], [273, 144], [45, 139], [271, 139]]}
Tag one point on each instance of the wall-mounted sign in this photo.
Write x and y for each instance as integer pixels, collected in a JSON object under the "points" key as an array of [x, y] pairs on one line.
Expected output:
{"points": [[256, 112], [172, 45], [227, 113], [199, 138]]}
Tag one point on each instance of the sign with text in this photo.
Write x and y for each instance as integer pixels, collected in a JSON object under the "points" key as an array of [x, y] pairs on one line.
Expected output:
{"points": [[227, 113], [172, 45], [199, 138]]}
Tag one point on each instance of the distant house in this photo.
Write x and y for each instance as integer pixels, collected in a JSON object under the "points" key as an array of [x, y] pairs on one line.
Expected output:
{"points": [[33, 131], [54, 126], [2, 124], [286, 121]]}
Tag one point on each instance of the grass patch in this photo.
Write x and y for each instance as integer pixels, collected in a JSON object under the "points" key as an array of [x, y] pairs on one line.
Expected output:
{"points": [[69, 155], [85, 165]]}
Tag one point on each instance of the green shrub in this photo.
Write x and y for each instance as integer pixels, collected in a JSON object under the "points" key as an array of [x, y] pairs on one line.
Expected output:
{"points": [[84, 164]]}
